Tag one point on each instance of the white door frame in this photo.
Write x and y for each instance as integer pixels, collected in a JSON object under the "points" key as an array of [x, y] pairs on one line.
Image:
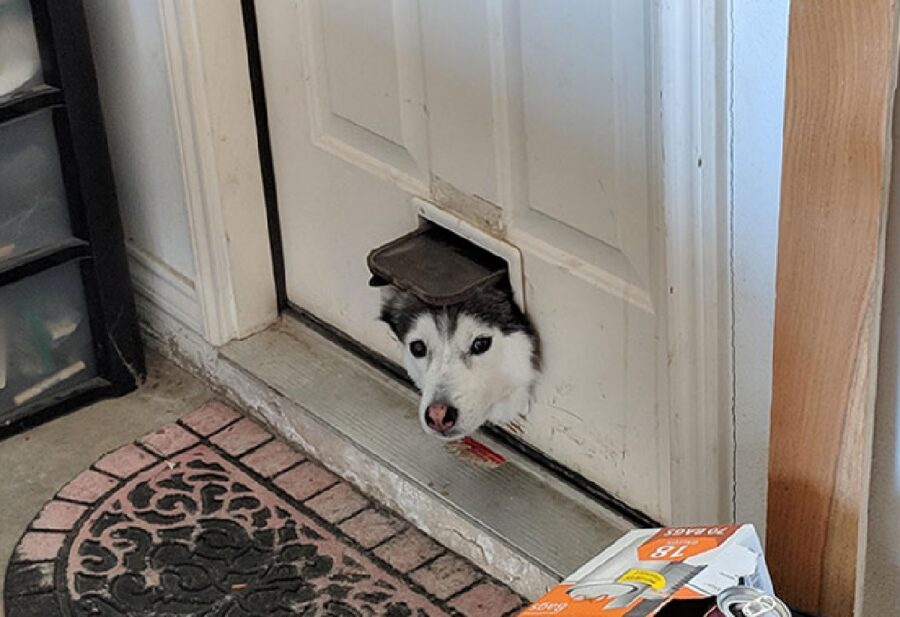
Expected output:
{"points": [[693, 46], [209, 78], [210, 84]]}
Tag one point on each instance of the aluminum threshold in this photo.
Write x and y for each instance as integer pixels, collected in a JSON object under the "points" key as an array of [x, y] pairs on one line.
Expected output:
{"points": [[516, 521]]}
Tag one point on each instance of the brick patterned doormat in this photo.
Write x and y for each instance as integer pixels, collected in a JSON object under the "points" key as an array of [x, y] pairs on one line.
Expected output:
{"points": [[213, 516]]}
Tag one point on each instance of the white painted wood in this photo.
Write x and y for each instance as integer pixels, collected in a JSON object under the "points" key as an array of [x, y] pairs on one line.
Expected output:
{"points": [[544, 124], [207, 65], [342, 188], [694, 185], [164, 287], [365, 94]]}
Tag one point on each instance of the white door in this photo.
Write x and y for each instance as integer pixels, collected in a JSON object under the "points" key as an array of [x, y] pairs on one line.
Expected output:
{"points": [[532, 120]]}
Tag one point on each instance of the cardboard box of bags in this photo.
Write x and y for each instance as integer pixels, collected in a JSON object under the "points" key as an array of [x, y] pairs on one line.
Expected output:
{"points": [[667, 572]]}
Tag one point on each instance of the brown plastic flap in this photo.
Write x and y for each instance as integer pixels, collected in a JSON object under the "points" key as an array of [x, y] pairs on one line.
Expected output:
{"points": [[436, 265]]}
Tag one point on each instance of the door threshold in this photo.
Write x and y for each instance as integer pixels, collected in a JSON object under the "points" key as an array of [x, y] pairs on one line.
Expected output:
{"points": [[516, 521]]}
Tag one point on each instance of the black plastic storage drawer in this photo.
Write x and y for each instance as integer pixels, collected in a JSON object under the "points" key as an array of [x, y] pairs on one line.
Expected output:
{"points": [[68, 331]]}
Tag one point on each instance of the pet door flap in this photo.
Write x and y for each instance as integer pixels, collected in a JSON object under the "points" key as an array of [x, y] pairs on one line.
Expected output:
{"points": [[436, 265]]}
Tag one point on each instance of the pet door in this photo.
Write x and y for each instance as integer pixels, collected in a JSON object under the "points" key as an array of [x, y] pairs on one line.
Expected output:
{"points": [[436, 265]]}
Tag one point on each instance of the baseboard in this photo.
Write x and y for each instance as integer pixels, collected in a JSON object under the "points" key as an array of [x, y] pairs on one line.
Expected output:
{"points": [[160, 289]]}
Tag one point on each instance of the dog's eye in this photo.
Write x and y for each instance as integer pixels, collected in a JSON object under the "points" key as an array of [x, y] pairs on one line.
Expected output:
{"points": [[481, 345], [418, 349]]}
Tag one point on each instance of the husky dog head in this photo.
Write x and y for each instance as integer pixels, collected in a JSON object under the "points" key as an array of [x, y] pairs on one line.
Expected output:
{"points": [[473, 362]]}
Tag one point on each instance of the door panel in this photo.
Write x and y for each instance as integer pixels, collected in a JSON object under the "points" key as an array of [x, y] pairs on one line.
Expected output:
{"points": [[460, 96], [579, 85], [361, 71], [531, 119], [363, 63], [567, 119]]}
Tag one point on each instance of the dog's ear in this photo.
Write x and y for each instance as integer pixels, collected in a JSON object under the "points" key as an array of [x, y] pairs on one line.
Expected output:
{"points": [[392, 302], [398, 310]]}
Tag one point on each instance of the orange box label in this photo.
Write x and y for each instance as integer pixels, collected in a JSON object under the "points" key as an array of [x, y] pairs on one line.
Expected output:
{"points": [[680, 543]]}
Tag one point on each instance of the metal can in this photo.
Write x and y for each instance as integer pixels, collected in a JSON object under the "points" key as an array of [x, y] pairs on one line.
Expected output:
{"points": [[750, 602]]}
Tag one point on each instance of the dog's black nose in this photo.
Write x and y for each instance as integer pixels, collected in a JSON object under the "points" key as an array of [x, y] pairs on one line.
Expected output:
{"points": [[441, 417]]}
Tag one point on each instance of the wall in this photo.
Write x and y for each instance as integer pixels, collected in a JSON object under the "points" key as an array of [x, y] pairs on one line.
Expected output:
{"points": [[137, 106], [758, 61], [883, 542]]}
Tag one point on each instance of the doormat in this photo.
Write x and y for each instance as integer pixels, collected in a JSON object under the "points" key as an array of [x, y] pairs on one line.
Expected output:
{"points": [[214, 516]]}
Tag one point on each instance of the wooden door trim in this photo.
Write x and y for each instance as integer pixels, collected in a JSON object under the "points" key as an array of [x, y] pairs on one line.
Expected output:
{"points": [[842, 63]]}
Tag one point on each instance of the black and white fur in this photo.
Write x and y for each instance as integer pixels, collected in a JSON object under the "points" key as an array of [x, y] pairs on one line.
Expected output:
{"points": [[480, 358]]}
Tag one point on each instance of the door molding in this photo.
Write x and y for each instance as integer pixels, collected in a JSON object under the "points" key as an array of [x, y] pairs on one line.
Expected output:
{"points": [[693, 183], [209, 78]]}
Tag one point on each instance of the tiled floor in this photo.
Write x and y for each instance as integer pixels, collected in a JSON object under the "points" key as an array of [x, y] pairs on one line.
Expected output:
{"points": [[212, 512]]}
